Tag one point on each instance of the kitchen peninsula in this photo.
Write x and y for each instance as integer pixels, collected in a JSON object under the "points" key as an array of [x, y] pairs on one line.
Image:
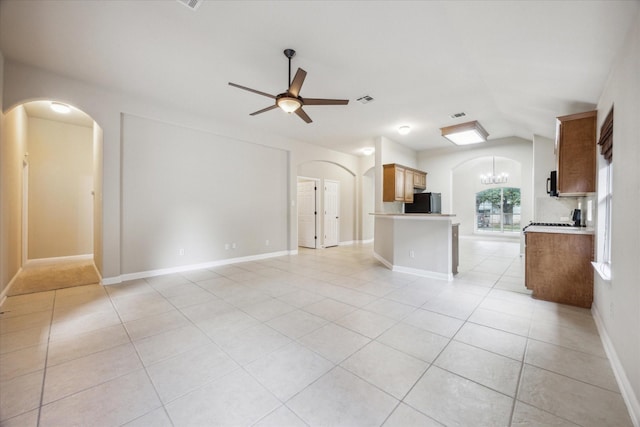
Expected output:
{"points": [[421, 244]]}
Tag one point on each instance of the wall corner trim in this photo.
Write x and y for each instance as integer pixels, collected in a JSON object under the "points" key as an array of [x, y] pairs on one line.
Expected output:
{"points": [[629, 396], [5, 291]]}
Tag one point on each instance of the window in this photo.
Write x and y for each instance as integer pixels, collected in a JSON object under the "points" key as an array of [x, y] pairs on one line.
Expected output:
{"points": [[605, 199], [498, 210]]}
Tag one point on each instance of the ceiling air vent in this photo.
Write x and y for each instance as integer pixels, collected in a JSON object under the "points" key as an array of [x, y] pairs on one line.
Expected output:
{"points": [[457, 115], [365, 99], [191, 4]]}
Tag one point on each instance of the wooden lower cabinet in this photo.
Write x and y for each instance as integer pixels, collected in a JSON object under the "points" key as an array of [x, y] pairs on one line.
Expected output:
{"points": [[558, 267]]}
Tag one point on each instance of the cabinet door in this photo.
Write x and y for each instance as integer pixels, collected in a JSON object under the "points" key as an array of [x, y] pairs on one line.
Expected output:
{"points": [[400, 181], [408, 186], [419, 180], [558, 267], [577, 152]]}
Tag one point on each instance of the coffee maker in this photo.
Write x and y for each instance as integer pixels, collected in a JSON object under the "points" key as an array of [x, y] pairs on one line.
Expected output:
{"points": [[576, 217]]}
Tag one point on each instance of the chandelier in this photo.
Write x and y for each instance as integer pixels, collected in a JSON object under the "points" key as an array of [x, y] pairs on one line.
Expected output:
{"points": [[492, 178]]}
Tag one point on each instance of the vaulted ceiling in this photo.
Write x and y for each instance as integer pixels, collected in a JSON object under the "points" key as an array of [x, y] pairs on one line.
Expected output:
{"points": [[512, 65]]}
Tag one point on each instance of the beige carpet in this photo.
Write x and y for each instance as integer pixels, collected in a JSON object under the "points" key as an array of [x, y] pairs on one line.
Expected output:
{"points": [[38, 276]]}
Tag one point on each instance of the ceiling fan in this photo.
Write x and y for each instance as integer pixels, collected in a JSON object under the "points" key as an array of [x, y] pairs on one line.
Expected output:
{"points": [[291, 101]]}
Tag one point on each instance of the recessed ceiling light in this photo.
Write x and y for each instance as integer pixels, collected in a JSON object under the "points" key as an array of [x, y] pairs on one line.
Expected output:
{"points": [[367, 151], [60, 108], [403, 130], [465, 133]]}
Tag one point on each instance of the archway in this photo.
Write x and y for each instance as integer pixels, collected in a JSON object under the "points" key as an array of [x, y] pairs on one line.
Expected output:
{"points": [[60, 196], [467, 181]]}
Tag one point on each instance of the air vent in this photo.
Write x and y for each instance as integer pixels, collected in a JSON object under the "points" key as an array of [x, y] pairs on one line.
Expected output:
{"points": [[457, 115], [365, 99], [191, 4]]}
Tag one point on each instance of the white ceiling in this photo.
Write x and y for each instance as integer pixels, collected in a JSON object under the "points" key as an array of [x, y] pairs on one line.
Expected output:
{"points": [[42, 110], [512, 65]]}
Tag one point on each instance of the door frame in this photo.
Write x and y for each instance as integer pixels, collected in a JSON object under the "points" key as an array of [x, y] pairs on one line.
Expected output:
{"points": [[324, 196], [318, 201]]}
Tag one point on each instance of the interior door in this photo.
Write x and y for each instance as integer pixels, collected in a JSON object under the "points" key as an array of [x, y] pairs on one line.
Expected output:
{"points": [[307, 211], [331, 213]]}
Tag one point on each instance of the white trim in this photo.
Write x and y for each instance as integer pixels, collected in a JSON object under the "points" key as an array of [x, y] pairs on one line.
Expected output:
{"points": [[603, 269], [5, 291], [364, 242], [414, 271], [629, 396], [151, 273], [37, 261], [347, 243]]}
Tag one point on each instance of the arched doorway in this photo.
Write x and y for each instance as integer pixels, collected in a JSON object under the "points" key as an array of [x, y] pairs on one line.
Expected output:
{"points": [[478, 214], [61, 197]]}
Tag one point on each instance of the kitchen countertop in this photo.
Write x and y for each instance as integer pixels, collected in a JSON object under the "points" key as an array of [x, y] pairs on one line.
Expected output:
{"points": [[559, 230], [414, 215]]}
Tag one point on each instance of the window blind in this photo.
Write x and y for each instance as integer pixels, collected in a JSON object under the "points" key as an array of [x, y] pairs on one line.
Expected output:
{"points": [[606, 137]]}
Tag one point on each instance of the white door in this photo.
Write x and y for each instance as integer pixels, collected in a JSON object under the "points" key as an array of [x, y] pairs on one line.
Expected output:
{"points": [[331, 213], [307, 236]]}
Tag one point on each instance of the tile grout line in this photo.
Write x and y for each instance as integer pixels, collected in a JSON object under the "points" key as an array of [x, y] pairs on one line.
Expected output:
{"points": [[46, 358]]}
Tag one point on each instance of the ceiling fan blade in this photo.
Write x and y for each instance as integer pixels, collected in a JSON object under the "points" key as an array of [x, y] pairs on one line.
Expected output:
{"points": [[252, 90], [296, 84], [300, 112], [264, 110], [320, 101]]}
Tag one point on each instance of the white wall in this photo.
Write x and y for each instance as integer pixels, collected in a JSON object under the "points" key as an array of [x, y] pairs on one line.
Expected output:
{"points": [[14, 130], [330, 171], [24, 83], [617, 303], [440, 164], [388, 151], [60, 185], [192, 190]]}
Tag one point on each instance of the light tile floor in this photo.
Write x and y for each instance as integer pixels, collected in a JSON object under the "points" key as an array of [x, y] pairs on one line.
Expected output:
{"points": [[327, 337]]}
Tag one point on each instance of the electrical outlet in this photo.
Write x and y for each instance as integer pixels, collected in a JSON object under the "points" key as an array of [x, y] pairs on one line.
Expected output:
{"points": [[181, 251], [412, 254], [233, 245], [226, 246], [266, 243]]}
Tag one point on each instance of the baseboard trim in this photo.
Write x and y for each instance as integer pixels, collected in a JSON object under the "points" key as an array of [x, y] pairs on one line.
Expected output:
{"points": [[5, 291], [181, 269], [629, 396], [413, 271], [37, 261]]}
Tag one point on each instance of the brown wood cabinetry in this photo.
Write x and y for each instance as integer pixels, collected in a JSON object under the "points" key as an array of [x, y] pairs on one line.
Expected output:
{"points": [[576, 153], [420, 180], [399, 181], [558, 267]]}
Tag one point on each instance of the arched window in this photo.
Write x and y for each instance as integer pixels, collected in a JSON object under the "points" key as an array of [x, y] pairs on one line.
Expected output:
{"points": [[498, 210]]}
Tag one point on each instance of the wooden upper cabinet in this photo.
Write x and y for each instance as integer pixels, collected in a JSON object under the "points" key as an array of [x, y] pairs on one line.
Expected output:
{"points": [[408, 185], [399, 181], [576, 153], [420, 180]]}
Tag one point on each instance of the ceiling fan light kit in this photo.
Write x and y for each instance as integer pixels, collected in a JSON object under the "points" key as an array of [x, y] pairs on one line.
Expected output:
{"points": [[288, 104], [291, 101], [465, 133], [404, 130]]}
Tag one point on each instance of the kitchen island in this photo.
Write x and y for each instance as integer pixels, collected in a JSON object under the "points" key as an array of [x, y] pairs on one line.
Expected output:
{"points": [[421, 244]]}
